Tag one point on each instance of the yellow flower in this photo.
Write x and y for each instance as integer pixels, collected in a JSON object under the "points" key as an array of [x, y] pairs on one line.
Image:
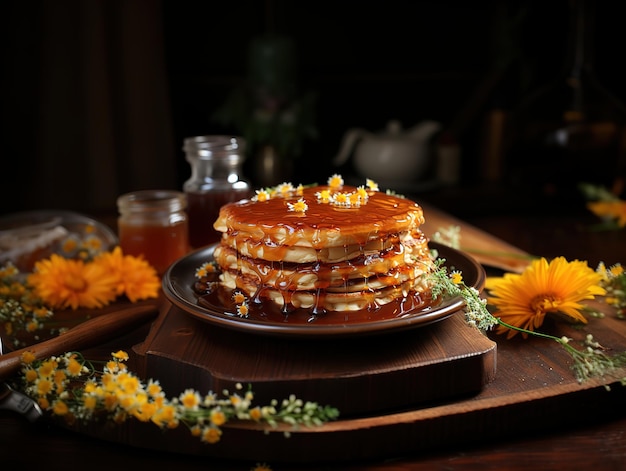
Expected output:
{"points": [[323, 196], [523, 300], [63, 283], [239, 297], [60, 408], [362, 192], [211, 434], [204, 269], [262, 195], [90, 402], [335, 181], [190, 399], [614, 209], [74, 367], [120, 355], [284, 189], [371, 184], [136, 278], [44, 386], [255, 414], [299, 206], [243, 310], [218, 417], [28, 357]]}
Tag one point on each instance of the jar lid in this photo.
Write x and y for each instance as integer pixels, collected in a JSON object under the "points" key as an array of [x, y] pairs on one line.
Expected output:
{"points": [[152, 201]]}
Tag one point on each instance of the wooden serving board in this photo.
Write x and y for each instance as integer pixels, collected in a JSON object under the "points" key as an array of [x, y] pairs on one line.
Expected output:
{"points": [[359, 375], [534, 391]]}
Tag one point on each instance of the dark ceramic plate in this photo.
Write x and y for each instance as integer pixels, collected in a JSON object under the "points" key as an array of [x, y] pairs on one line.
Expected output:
{"points": [[178, 284]]}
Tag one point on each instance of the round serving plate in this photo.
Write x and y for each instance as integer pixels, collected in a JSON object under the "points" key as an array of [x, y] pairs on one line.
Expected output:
{"points": [[178, 286]]}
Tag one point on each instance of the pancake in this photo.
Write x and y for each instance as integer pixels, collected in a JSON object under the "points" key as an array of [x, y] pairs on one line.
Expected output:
{"points": [[328, 248]]}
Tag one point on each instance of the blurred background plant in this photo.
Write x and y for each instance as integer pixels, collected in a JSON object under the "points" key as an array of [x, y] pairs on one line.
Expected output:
{"points": [[268, 110]]}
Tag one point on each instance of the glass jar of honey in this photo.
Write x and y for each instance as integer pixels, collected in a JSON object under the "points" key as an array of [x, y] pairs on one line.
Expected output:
{"points": [[153, 224], [216, 179]]}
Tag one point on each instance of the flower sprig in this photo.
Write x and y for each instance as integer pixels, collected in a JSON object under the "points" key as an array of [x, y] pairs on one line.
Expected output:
{"points": [[72, 387], [613, 280], [20, 308], [527, 298]]}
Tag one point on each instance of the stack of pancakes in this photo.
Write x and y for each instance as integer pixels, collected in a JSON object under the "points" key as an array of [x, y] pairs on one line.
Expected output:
{"points": [[325, 248]]}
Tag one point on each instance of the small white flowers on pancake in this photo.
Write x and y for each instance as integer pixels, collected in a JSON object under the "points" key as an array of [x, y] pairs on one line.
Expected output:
{"points": [[299, 206], [335, 181]]}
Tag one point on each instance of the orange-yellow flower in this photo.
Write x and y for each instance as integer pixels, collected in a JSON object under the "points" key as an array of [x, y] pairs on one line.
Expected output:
{"points": [[60, 408], [28, 357], [136, 278], [66, 283], [335, 181], [615, 209], [211, 435], [523, 300]]}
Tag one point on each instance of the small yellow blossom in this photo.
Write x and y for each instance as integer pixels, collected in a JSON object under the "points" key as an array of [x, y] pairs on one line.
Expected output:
{"points": [[362, 192], [255, 414], [60, 408], [243, 309], [614, 209], [457, 277], [299, 206], [205, 269], [44, 386], [74, 367], [190, 399], [28, 357], [218, 418], [371, 184], [261, 195], [120, 355], [239, 297], [284, 189], [340, 199], [30, 375], [211, 434], [323, 196]]}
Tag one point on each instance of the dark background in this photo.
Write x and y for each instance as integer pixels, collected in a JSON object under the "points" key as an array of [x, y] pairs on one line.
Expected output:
{"points": [[367, 63]]}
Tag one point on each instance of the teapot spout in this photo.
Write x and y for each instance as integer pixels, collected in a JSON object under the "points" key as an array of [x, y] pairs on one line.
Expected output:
{"points": [[424, 130], [348, 143]]}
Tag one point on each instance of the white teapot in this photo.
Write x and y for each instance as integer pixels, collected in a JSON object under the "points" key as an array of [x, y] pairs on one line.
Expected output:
{"points": [[394, 155]]}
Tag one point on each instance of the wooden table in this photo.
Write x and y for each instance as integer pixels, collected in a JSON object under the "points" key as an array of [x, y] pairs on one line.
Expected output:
{"points": [[594, 435]]}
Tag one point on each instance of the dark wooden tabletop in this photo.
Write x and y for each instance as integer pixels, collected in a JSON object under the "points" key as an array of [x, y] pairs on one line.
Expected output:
{"points": [[595, 442]]}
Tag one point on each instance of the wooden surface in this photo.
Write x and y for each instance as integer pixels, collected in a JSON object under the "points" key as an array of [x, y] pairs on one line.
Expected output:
{"points": [[579, 428], [359, 376], [534, 391]]}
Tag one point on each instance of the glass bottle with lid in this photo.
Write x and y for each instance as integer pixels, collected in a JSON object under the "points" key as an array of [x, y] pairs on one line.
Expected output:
{"points": [[216, 179], [153, 224]]}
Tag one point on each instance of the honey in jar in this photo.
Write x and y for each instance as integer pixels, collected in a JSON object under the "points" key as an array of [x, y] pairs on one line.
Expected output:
{"points": [[153, 224], [216, 179]]}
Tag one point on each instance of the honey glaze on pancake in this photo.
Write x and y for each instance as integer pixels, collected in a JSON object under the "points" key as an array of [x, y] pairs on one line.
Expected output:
{"points": [[217, 298], [322, 225]]}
